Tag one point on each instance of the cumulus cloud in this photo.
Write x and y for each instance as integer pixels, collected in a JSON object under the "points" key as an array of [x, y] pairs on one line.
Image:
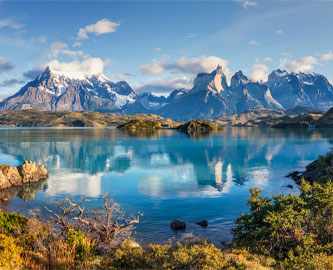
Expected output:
{"points": [[5, 65], [10, 23], [268, 59], [259, 71], [186, 65], [57, 48], [79, 69], [103, 26], [246, 3], [191, 35], [327, 56], [254, 43], [164, 85], [303, 64], [10, 82], [279, 32]]}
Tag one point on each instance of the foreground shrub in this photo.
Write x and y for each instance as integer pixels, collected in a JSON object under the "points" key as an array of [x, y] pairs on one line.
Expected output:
{"points": [[171, 256], [296, 230], [12, 223], [10, 253]]}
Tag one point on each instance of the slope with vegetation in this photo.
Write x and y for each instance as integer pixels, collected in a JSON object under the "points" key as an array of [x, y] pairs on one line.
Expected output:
{"points": [[281, 232], [37, 118]]}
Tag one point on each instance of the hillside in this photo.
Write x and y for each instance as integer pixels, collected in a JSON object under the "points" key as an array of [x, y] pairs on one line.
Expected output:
{"points": [[37, 118]]}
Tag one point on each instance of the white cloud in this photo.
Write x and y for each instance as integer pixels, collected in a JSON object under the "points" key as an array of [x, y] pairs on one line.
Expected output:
{"points": [[158, 50], [154, 68], [186, 65], [191, 35], [246, 3], [279, 32], [103, 26], [254, 43], [268, 59], [57, 48], [327, 56], [164, 85], [77, 44], [260, 71], [10, 23], [200, 64], [78, 69], [303, 64]]}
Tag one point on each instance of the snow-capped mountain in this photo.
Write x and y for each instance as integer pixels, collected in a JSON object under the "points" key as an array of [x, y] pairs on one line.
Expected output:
{"points": [[300, 89], [211, 95], [57, 91]]}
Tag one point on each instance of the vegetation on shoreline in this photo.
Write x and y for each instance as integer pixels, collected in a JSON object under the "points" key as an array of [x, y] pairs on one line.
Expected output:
{"points": [[198, 125], [281, 232], [141, 124], [320, 170], [37, 118]]}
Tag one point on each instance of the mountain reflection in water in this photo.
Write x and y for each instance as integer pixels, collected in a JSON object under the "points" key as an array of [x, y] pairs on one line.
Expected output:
{"points": [[166, 174]]}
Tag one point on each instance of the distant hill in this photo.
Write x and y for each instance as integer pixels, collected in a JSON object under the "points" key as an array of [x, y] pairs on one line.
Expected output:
{"points": [[37, 118]]}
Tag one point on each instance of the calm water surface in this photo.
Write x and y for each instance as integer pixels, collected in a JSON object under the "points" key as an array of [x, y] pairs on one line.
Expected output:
{"points": [[165, 175]]}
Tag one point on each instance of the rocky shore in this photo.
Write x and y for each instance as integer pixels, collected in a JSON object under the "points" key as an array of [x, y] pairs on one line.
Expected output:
{"points": [[27, 172], [320, 170]]}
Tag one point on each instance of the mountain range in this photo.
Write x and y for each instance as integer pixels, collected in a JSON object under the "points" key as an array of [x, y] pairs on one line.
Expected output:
{"points": [[211, 95]]}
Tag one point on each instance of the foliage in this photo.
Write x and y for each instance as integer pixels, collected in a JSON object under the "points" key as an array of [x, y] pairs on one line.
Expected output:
{"points": [[290, 228], [141, 124], [203, 255], [12, 223], [10, 253]]}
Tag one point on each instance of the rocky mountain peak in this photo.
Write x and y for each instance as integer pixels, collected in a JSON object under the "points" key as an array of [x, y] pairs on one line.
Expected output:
{"points": [[238, 79]]}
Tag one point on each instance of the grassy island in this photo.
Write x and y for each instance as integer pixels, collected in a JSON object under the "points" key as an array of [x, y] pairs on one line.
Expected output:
{"points": [[198, 125], [141, 124]]}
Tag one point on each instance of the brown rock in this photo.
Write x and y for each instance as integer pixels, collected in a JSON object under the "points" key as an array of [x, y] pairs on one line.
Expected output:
{"points": [[12, 174], [30, 172], [4, 183]]}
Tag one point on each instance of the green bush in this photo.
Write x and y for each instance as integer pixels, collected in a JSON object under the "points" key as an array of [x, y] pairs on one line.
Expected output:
{"points": [[290, 228], [12, 223], [179, 256]]}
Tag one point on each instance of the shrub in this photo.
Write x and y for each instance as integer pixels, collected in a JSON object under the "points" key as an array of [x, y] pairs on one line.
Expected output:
{"points": [[12, 223], [291, 227], [10, 253]]}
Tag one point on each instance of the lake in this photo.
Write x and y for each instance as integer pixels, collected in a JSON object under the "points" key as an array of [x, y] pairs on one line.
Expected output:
{"points": [[164, 174]]}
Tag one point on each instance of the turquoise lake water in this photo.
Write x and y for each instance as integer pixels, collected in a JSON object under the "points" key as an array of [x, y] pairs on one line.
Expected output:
{"points": [[164, 175]]}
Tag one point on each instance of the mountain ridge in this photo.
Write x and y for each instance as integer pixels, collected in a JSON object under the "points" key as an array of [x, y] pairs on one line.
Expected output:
{"points": [[211, 96]]}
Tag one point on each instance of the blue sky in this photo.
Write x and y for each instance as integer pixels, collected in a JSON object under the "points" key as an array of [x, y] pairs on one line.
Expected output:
{"points": [[160, 45]]}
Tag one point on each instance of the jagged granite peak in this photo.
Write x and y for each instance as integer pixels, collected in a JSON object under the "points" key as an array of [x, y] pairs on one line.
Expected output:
{"points": [[54, 90], [238, 79], [215, 81], [300, 89]]}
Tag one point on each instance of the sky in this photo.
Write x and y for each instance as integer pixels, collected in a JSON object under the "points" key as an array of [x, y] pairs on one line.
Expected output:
{"points": [[158, 46]]}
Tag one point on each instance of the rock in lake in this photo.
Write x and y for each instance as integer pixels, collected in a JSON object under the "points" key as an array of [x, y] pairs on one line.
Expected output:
{"points": [[177, 225], [27, 172], [203, 223]]}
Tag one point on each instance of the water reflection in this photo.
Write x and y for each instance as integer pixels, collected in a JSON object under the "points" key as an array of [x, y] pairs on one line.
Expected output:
{"points": [[164, 162], [165, 174]]}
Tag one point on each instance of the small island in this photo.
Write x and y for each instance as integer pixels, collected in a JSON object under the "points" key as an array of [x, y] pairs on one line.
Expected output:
{"points": [[141, 124], [27, 172], [198, 125]]}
